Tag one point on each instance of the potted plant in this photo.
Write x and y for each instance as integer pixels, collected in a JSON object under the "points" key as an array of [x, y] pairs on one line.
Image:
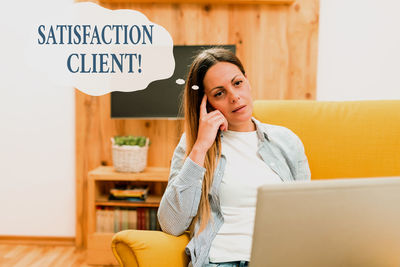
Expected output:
{"points": [[129, 153]]}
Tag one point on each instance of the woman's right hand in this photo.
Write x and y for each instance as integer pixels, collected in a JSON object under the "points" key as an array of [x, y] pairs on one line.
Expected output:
{"points": [[209, 123]]}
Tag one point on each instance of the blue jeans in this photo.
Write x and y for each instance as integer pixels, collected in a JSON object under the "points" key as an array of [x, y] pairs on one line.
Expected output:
{"points": [[228, 264]]}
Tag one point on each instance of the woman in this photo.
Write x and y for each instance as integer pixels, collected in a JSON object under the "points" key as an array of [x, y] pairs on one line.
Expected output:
{"points": [[222, 158]]}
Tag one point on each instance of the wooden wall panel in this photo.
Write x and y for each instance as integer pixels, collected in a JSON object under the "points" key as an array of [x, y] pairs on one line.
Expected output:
{"points": [[239, 2], [276, 43]]}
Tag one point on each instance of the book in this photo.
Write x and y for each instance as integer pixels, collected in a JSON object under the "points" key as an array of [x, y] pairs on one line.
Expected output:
{"points": [[124, 219], [110, 221], [140, 219], [133, 199], [138, 227], [147, 219], [99, 223], [132, 219], [143, 223], [130, 191], [105, 220], [153, 219], [116, 220]]}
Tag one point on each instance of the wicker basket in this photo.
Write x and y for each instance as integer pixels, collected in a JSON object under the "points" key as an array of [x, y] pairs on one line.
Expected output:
{"points": [[129, 158]]}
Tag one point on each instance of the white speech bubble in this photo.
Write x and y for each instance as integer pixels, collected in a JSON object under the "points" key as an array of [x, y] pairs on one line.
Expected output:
{"points": [[98, 50], [180, 81]]}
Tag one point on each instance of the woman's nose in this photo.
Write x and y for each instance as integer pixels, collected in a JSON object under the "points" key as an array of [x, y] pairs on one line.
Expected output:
{"points": [[234, 98]]}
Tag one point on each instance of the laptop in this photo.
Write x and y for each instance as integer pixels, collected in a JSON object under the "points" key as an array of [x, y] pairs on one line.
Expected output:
{"points": [[343, 222]]}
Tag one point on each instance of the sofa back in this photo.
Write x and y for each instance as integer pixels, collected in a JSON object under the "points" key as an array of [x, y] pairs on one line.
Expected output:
{"points": [[344, 139]]}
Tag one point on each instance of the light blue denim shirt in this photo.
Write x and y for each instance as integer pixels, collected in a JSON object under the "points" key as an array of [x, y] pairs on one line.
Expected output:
{"points": [[279, 148]]}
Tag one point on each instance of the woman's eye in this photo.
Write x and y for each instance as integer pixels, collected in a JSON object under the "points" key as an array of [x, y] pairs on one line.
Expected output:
{"points": [[237, 83], [218, 94]]}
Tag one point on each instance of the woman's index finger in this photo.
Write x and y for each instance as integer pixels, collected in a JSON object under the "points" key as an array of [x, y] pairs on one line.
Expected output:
{"points": [[203, 106]]}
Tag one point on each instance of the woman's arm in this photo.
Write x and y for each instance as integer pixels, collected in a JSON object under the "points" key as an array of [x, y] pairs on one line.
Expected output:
{"points": [[181, 198]]}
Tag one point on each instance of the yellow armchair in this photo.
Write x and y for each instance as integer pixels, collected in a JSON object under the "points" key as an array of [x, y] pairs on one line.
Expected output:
{"points": [[345, 139], [134, 248]]}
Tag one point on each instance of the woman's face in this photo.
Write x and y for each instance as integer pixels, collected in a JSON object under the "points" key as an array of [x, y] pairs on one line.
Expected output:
{"points": [[229, 91]]}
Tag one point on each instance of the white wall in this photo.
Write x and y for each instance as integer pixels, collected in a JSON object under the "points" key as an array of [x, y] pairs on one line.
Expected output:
{"points": [[359, 58], [359, 50], [37, 143]]}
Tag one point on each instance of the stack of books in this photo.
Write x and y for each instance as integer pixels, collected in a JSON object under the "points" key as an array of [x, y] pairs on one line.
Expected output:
{"points": [[113, 220], [131, 193]]}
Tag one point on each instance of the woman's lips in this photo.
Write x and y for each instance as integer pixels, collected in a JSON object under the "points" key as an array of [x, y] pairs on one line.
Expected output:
{"points": [[239, 109]]}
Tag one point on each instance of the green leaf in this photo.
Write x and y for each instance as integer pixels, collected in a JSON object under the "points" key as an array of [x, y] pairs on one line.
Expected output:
{"points": [[130, 140]]}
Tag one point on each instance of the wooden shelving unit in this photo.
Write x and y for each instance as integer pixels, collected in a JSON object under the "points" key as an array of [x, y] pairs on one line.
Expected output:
{"points": [[100, 181]]}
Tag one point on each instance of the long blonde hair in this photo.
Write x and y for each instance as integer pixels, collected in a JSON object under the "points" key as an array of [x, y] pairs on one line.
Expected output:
{"points": [[191, 106]]}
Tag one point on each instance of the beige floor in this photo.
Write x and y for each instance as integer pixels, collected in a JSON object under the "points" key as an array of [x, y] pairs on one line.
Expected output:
{"points": [[41, 256]]}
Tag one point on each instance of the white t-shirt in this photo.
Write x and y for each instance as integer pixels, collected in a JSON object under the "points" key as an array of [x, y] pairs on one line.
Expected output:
{"points": [[244, 172]]}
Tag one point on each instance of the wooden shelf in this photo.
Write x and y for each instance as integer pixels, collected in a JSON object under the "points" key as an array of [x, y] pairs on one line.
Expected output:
{"points": [[150, 174], [100, 181], [151, 201]]}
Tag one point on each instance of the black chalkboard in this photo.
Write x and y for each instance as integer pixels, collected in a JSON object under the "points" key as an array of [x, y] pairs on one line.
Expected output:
{"points": [[161, 99]]}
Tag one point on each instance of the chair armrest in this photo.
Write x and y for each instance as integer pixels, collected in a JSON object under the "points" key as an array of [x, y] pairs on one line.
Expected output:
{"points": [[134, 248]]}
